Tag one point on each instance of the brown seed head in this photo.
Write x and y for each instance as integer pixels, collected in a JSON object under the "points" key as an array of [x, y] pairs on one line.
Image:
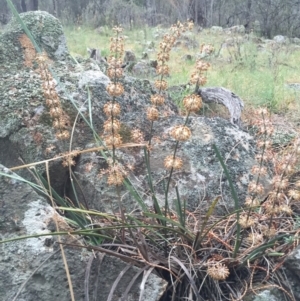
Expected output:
{"points": [[269, 232], [252, 202], [202, 66], [115, 89], [161, 84], [62, 135], [42, 58], [50, 93], [181, 133], [117, 40], [162, 69], [157, 100], [256, 188], [152, 113], [111, 126], [246, 222], [49, 84], [56, 112], [163, 56], [115, 177], [114, 62], [284, 208], [259, 170], [280, 183], [116, 48], [294, 194], [217, 270], [59, 123], [207, 48], [113, 140], [276, 197], [164, 46], [53, 102], [117, 29], [112, 109], [171, 162], [197, 78], [114, 72], [255, 238], [137, 136], [169, 40], [264, 143], [192, 103]]}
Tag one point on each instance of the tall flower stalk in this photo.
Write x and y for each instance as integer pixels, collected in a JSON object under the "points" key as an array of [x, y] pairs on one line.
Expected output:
{"points": [[182, 133], [112, 109]]}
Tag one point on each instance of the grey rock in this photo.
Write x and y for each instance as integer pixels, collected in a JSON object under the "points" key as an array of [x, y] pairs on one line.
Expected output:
{"points": [[150, 45], [216, 29], [24, 212], [186, 40], [292, 270], [187, 57], [294, 86], [267, 295], [92, 78], [45, 28], [201, 179], [38, 262], [129, 57], [145, 55], [296, 41], [281, 39], [225, 97], [143, 69], [100, 30], [237, 29], [95, 54], [26, 131]]}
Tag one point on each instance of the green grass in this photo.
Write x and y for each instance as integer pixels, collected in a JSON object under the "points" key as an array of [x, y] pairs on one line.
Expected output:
{"points": [[259, 77], [81, 37]]}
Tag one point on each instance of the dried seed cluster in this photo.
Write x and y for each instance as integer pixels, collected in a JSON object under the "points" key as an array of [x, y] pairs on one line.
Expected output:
{"points": [[207, 49], [217, 270], [59, 118], [192, 103], [172, 162], [181, 133], [112, 126], [162, 68], [282, 195], [198, 76], [115, 173], [112, 109]]}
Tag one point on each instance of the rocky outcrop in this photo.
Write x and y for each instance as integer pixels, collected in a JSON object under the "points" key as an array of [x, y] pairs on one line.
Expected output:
{"points": [[281, 39], [33, 268], [201, 179], [237, 29], [27, 136], [27, 130]]}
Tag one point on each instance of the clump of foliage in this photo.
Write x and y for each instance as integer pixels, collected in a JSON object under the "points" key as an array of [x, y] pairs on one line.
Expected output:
{"points": [[202, 256]]}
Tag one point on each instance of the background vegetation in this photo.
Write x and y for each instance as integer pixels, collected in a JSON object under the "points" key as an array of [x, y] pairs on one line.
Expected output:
{"points": [[269, 17], [260, 73]]}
